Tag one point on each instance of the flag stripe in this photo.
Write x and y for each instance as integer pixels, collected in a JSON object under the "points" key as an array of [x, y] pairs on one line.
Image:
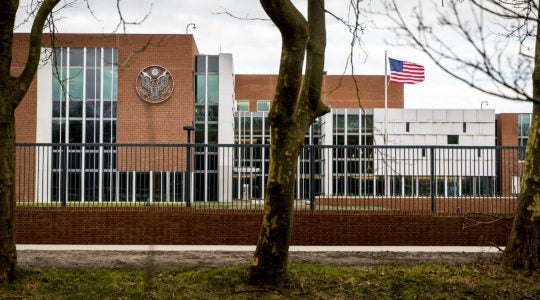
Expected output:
{"points": [[405, 72]]}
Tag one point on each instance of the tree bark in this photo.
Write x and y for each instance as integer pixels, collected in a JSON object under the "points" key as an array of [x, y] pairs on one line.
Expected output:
{"points": [[293, 111], [523, 247], [8, 253], [12, 91]]}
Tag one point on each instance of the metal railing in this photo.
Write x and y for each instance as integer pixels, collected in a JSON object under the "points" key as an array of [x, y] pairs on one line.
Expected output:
{"points": [[427, 179]]}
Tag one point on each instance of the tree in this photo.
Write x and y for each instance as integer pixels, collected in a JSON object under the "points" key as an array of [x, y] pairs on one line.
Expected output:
{"points": [[296, 105], [494, 47], [12, 91]]}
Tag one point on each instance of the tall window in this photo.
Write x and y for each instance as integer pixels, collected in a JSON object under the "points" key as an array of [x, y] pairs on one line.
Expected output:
{"points": [[206, 126], [84, 100], [353, 154], [524, 124]]}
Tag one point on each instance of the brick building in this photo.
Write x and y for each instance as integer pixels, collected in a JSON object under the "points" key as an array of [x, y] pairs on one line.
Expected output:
{"points": [[94, 91]]}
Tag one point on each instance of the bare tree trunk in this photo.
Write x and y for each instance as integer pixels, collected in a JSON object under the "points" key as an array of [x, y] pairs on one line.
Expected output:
{"points": [[12, 91], [291, 114], [8, 254], [523, 247]]}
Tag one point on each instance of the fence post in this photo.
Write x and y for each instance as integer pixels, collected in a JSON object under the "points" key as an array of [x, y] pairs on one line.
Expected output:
{"points": [[64, 183], [189, 129], [432, 178], [311, 178]]}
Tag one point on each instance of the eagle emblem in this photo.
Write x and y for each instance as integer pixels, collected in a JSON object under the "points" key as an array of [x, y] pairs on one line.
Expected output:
{"points": [[154, 84]]}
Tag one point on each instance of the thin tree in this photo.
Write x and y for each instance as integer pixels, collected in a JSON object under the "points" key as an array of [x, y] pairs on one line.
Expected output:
{"points": [[494, 47], [296, 105], [12, 91]]}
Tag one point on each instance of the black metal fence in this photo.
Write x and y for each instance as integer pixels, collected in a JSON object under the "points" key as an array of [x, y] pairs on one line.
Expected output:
{"points": [[358, 178]]}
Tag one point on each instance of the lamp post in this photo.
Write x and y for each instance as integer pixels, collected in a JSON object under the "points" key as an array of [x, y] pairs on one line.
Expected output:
{"points": [[189, 129], [482, 104], [190, 24]]}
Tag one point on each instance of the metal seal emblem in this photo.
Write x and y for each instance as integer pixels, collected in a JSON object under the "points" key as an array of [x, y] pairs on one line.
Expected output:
{"points": [[154, 84]]}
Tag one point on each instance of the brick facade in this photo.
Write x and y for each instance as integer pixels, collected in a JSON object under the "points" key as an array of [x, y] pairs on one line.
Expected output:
{"points": [[338, 91], [172, 226]]}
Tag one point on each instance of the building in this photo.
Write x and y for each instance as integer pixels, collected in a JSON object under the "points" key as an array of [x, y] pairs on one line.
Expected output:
{"points": [[96, 92]]}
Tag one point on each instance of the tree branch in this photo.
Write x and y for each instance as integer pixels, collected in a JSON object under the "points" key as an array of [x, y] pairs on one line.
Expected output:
{"points": [[32, 62]]}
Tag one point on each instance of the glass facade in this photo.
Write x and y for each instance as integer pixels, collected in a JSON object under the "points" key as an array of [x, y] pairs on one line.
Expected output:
{"points": [[84, 100], [206, 127], [353, 169]]}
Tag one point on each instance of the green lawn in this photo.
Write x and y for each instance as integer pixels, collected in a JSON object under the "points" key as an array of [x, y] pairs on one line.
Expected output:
{"points": [[307, 281]]}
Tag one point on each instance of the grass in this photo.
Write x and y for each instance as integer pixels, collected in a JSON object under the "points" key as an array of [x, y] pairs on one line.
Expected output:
{"points": [[307, 281]]}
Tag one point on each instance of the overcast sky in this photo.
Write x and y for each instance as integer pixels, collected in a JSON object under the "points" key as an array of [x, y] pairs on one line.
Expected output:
{"points": [[255, 45]]}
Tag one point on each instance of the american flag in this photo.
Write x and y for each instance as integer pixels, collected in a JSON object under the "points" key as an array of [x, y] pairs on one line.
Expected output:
{"points": [[403, 72]]}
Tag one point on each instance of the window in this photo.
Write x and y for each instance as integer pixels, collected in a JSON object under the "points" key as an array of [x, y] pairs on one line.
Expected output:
{"points": [[242, 105], [407, 126], [84, 110], [453, 139], [524, 124], [263, 105], [464, 126]]}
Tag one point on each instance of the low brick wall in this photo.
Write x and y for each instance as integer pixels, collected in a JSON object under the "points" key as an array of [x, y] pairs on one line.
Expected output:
{"points": [[173, 226]]}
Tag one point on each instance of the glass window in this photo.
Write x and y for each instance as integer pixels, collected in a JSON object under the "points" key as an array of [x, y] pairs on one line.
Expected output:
{"points": [[339, 123], [58, 84], [76, 83], [199, 113], [467, 188], [213, 88], [440, 186], [368, 123], [242, 105], [213, 113], [257, 126], [524, 121], [199, 134], [212, 133], [200, 63], [110, 82], [200, 88], [59, 109], [76, 57], [107, 109], [213, 63], [410, 185], [91, 57], [263, 105], [424, 186], [110, 57], [58, 131], [453, 139], [75, 131], [75, 109], [353, 123], [93, 84], [452, 186]]}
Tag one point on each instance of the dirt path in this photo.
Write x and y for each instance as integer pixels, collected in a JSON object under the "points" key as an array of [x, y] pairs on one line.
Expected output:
{"points": [[170, 259]]}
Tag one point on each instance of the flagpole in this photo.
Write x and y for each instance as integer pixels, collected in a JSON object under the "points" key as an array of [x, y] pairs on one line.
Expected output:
{"points": [[385, 96], [386, 185]]}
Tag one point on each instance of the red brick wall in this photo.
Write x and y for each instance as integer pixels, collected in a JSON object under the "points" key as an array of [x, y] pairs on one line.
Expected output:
{"points": [[338, 91], [138, 121], [507, 135], [172, 226]]}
